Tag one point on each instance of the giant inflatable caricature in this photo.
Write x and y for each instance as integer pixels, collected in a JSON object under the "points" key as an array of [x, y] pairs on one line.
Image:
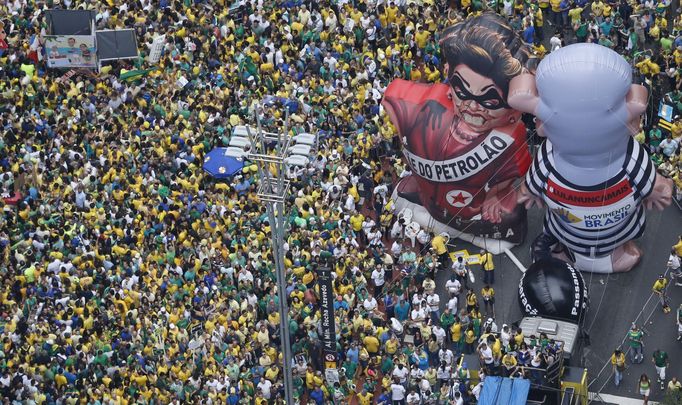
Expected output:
{"points": [[464, 144], [593, 176]]}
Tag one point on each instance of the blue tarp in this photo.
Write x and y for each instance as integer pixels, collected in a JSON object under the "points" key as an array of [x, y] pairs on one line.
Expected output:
{"points": [[220, 166], [504, 391]]}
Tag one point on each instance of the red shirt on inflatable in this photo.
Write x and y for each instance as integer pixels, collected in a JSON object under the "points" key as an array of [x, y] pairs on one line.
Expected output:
{"points": [[452, 177]]}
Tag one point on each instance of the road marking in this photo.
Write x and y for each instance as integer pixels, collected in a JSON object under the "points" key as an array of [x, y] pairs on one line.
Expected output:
{"points": [[515, 260], [615, 399]]}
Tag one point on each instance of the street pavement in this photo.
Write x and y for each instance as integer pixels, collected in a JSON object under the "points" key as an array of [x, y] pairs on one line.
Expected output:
{"points": [[615, 302]]}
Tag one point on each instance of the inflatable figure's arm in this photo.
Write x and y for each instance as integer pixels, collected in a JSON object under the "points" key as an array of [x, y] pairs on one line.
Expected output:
{"points": [[655, 190], [502, 196], [418, 112], [661, 194], [533, 187], [401, 100], [527, 198]]}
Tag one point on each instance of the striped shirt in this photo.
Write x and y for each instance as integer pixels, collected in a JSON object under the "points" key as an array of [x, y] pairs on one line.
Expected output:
{"points": [[594, 220]]}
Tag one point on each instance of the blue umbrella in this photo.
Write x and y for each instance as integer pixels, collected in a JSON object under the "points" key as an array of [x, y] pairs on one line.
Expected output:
{"points": [[220, 166]]}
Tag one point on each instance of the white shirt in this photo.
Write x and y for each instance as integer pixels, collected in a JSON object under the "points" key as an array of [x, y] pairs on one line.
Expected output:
{"points": [[418, 314], [674, 262], [413, 398], [446, 355], [434, 302], [264, 384], [459, 267], [423, 237], [477, 390], [424, 385], [378, 277], [401, 375], [370, 303], [452, 305], [439, 333], [396, 248], [396, 230], [397, 392], [443, 373], [554, 43], [453, 286], [486, 354]]}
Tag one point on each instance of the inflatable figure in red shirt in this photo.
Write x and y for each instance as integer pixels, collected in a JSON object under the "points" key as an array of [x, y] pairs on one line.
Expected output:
{"points": [[465, 146]]}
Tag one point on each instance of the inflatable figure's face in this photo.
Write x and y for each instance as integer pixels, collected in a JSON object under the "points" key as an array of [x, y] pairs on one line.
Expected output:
{"points": [[482, 54], [479, 101], [584, 101]]}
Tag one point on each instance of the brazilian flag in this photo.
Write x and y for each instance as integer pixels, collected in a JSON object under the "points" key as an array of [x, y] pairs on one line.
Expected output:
{"points": [[132, 75]]}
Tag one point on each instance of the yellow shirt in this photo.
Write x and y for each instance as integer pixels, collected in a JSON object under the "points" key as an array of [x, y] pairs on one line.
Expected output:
{"points": [[509, 361], [438, 243], [356, 222], [660, 284], [488, 292], [678, 248], [456, 331], [391, 346], [421, 38], [371, 344], [365, 399], [487, 261], [618, 360]]}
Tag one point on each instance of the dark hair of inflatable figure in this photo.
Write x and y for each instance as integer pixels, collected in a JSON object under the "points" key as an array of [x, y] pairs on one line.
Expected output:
{"points": [[488, 45]]}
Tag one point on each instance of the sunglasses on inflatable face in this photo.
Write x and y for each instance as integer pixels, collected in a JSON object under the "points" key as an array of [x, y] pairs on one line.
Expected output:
{"points": [[490, 100]]}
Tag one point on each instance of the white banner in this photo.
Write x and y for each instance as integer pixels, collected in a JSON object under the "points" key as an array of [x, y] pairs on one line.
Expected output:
{"points": [[464, 165], [156, 49]]}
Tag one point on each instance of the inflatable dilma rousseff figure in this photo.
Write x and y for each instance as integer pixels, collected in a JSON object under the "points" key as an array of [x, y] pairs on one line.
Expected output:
{"points": [[464, 144], [594, 178]]}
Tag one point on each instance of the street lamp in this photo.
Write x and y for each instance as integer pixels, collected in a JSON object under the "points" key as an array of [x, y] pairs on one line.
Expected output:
{"points": [[268, 150]]}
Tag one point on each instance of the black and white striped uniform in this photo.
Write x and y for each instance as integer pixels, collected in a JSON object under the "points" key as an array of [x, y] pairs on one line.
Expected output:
{"points": [[594, 220]]}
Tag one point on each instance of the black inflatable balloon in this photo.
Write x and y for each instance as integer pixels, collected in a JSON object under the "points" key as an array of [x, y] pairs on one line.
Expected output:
{"points": [[553, 288]]}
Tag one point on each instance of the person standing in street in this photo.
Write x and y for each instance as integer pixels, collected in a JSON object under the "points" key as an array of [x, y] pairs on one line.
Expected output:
{"points": [[659, 288], [675, 388], [660, 360], [644, 386], [675, 268], [459, 266], [635, 339], [679, 323], [488, 267], [618, 363], [488, 294]]}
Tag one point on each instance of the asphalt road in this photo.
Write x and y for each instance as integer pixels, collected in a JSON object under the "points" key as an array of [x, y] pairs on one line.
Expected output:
{"points": [[615, 302]]}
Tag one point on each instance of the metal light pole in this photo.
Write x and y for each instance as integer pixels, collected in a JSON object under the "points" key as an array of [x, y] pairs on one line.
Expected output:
{"points": [[273, 191]]}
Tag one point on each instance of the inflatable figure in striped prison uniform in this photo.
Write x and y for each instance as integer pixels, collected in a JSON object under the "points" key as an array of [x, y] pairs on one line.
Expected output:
{"points": [[594, 178]]}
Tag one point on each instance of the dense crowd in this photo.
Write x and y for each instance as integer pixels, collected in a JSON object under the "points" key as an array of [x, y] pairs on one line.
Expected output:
{"points": [[128, 275]]}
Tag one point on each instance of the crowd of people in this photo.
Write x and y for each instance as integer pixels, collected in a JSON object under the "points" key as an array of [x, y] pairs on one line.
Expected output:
{"points": [[128, 275]]}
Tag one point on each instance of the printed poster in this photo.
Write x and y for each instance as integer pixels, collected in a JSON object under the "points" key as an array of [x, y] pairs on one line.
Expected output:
{"points": [[68, 51]]}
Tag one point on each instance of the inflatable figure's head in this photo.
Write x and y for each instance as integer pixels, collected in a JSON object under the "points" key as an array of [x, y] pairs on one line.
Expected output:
{"points": [[482, 55], [584, 101]]}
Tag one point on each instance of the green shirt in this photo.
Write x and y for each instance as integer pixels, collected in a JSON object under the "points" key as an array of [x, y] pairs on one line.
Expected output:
{"points": [[581, 32], [655, 137], [635, 338], [660, 358]]}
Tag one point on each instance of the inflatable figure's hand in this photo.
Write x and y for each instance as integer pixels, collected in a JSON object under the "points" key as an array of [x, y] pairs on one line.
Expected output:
{"points": [[500, 198], [527, 198], [662, 194]]}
